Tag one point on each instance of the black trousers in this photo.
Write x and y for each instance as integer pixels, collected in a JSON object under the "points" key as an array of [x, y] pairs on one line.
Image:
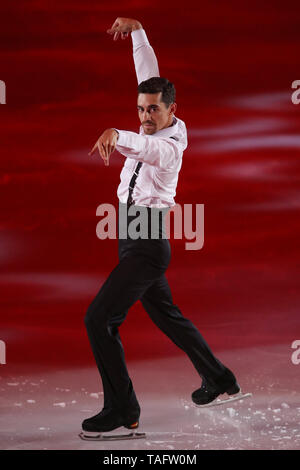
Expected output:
{"points": [[140, 275]]}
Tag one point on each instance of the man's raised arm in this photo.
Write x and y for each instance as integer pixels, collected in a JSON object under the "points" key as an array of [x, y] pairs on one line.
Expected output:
{"points": [[145, 61], [146, 66]]}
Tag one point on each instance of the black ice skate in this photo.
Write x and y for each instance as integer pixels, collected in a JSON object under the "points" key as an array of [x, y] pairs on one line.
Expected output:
{"points": [[207, 394], [109, 420]]}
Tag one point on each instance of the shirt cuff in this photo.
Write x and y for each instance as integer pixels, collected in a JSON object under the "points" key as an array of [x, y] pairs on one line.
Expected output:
{"points": [[122, 137], [139, 37]]}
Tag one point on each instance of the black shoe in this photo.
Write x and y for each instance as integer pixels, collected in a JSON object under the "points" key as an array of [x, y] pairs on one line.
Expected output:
{"points": [[108, 420], [208, 393]]}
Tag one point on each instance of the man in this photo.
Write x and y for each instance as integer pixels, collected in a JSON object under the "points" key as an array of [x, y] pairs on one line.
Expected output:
{"points": [[148, 181]]}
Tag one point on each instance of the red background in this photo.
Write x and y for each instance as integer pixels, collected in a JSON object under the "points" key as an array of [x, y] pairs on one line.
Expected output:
{"points": [[67, 80]]}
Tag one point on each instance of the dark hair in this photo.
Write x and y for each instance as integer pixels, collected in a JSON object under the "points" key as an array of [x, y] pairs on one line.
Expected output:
{"points": [[158, 84]]}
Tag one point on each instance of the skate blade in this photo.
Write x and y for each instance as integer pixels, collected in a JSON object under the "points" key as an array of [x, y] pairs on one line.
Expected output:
{"points": [[98, 436], [219, 401]]}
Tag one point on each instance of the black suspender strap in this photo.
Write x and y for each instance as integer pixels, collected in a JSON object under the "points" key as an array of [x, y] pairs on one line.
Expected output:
{"points": [[130, 201]]}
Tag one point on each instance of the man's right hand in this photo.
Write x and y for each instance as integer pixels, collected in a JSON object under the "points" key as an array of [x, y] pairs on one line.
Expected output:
{"points": [[106, 144], [124, 26]]}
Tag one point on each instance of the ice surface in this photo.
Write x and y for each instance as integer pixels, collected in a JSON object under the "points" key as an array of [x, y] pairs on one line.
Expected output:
{"points": [[48, 412]]}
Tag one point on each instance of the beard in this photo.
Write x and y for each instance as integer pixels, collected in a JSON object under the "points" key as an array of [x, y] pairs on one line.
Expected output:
{"points": [[149, 129]]}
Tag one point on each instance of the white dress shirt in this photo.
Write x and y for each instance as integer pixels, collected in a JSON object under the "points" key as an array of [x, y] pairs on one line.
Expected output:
{"points": [[161, 152]]}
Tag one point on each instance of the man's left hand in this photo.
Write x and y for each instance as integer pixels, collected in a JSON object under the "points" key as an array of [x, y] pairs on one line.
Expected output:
{"points": [[106, 144]]}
